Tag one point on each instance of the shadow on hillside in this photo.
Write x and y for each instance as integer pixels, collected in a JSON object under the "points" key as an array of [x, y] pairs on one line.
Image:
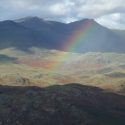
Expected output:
{"points": [[71, 104], [6, 59]]}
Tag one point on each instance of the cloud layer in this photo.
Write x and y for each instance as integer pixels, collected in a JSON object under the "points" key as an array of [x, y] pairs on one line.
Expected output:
{"points": [[107, 12]]}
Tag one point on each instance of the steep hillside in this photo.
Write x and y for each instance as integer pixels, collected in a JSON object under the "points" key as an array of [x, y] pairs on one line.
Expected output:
{"points": [[121, 33], [15, 35]]}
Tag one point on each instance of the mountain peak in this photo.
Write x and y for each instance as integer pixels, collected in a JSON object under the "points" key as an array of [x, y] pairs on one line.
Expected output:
{"points": [[82, 21], [29, 18], [86, 19]]}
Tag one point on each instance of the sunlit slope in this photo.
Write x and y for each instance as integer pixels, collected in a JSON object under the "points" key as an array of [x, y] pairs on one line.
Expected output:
{"points": [[42, 67]]}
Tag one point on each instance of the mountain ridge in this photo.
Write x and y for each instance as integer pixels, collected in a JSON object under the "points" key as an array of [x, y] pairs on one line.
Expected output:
{"points": [[37, 32]]}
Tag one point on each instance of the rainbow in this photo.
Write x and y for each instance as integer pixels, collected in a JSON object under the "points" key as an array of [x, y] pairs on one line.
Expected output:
{"points": [[77, 38]]}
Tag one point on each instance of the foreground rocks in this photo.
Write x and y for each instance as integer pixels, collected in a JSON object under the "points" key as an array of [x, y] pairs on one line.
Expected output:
{"points": [[71, 104]]}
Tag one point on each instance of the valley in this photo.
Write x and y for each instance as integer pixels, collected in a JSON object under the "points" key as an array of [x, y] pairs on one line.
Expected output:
{"points": [[42, 67], [56, 73]]}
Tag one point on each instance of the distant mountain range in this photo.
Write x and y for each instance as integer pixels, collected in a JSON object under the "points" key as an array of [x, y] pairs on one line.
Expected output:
{"points": [[36, 32]]}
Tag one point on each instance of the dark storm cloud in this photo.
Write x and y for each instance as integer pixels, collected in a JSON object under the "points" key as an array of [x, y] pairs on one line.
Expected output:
{"points": [[106, 12]]}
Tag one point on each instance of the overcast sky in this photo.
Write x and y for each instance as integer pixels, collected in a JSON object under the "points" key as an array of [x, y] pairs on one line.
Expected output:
{"points": [[110, 13]]}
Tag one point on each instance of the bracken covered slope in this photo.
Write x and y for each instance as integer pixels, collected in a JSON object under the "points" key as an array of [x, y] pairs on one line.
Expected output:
{"points": [[71, 104]]}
